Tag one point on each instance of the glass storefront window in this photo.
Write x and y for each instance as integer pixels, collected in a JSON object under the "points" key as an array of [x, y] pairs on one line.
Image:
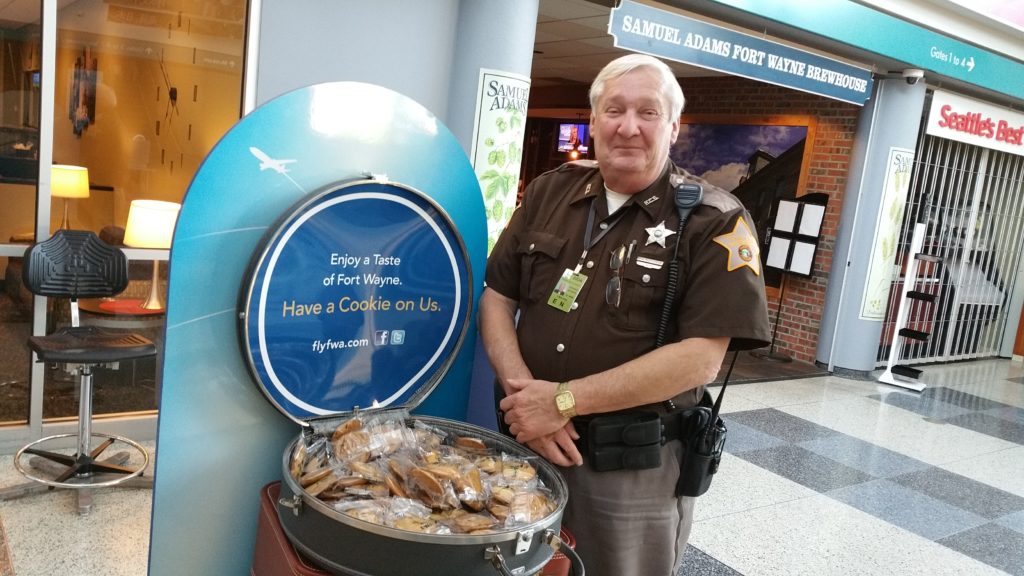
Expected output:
{"points": [[142, 93], [20, 75]]}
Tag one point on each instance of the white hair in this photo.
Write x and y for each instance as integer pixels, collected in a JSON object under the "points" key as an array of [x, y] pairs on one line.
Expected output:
{"points": [[623, 65]]}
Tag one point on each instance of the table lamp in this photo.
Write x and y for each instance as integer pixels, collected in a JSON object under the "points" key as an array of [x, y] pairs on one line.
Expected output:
{"points": [[68, 182], [151, 225]]}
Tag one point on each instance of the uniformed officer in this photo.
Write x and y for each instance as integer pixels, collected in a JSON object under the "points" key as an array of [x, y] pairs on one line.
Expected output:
{"points": [[584, 263]]}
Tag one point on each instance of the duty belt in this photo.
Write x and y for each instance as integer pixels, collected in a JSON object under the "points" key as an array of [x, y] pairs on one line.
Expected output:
{"points": [[630, 440]]}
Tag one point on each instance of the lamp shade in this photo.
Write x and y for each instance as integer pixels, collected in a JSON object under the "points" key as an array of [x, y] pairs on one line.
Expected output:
{"points": [[151, 224], [69, 181]]}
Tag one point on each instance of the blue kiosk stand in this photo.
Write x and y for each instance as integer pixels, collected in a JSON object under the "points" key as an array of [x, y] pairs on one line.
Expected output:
{"points": [[220, 437]]}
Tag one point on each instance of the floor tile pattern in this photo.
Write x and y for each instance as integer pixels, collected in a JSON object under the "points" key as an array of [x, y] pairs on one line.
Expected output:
{"points": [[821, 476], [894, 481]]}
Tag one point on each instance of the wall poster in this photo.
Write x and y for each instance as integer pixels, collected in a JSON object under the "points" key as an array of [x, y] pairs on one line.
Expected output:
{"points": [[760, 159], [881, 268], [497, 146]]}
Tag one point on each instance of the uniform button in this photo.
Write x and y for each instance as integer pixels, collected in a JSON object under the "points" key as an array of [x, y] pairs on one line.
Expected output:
{"points": [[603, 225], [646, 278], [575, 305], [560, 347], [590, 264], [532, 246]]}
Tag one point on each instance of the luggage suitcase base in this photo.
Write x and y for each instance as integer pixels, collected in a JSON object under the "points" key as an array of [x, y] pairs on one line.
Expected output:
{"points": [[274, 554]]}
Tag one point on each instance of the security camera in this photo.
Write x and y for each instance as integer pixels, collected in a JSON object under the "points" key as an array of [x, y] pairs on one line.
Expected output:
{"points": [[912, 75]]}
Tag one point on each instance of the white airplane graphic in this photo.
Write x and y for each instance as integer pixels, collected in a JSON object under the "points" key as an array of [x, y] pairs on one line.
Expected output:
{"points": [[266, 162]]}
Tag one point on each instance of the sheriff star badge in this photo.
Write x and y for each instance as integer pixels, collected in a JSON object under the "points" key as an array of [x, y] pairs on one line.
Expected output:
{"points": [[742, 247], [658, 234]]}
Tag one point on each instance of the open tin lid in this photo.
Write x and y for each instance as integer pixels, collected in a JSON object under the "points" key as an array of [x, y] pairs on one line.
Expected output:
{"points": [[359, 298]]}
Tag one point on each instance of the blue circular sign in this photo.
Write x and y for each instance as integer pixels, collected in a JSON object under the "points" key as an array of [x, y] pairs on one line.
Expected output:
{"points": [[359, 298]]}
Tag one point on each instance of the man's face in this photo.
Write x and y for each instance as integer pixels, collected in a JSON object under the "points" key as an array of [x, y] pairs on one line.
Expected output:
{"points": [[632, 131]]}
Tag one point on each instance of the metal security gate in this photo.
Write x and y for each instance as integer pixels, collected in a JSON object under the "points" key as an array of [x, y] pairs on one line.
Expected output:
{"points": [[974, 198]]}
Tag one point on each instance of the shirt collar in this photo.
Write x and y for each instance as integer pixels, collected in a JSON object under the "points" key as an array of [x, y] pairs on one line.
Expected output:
{"points": [[593, 187], [649, 199]]}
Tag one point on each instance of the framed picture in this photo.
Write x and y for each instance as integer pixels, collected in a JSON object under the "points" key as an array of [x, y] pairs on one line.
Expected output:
{"points": [[82, 98], [760, 159]]}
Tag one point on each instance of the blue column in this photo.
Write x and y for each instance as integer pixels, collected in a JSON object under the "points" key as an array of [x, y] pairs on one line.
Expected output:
{"points": [[494, 34], [405, 46], [890, 119], [497, 35]]}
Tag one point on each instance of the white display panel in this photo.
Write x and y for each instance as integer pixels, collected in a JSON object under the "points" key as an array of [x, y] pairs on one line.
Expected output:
{"points": [[778, 251], [803, 258], [785, 216], [810, 220]]}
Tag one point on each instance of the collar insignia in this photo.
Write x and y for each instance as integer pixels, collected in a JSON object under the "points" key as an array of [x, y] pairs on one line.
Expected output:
{"points": [[742, 247], [658, 234], [650, 200]]}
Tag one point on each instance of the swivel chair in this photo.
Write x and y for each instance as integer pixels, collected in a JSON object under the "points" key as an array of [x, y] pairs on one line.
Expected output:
{"points": [[76, 264]]}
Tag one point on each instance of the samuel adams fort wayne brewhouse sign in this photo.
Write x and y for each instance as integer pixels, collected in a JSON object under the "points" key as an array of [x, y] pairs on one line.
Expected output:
{"points": [[641, 28]]}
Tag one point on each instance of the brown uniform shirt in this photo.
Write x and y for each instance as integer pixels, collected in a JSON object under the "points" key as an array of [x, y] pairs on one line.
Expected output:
{"points": [[720, 290], [626, 522]]}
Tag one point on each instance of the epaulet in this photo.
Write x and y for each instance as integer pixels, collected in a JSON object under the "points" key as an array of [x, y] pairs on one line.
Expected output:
{"points": [[718, 198], [576, 164], [713, 195]]}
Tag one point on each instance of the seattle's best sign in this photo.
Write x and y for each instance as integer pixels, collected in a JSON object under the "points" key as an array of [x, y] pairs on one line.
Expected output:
{"points": [[975, 122]]}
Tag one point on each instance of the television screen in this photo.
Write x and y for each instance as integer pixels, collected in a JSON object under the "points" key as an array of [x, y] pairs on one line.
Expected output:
{"points": [[573, 136]]}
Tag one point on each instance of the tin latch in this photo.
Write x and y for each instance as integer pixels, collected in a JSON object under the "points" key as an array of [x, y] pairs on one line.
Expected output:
{"points": [[552, 539], [493, 555], [523, 542], [295, 503]]}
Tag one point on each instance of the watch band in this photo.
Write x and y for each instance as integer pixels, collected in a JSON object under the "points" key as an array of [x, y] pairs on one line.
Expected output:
{"points": [[565, 402]]}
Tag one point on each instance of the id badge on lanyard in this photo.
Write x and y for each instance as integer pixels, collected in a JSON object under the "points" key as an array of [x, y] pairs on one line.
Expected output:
{"points": [[570, 284], [567, 289]]}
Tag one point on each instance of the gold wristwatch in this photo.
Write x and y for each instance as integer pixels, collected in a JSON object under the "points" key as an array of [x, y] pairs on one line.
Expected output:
{"points": [[564, 400]]}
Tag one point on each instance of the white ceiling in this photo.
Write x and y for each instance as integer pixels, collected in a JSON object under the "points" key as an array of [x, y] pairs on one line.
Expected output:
{"points": [[573, 44]]}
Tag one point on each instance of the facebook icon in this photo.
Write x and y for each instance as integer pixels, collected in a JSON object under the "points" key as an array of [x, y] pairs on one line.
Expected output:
{"points": [[380, 337]]}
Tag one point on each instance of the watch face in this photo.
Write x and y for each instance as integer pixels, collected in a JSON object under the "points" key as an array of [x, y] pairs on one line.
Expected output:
{"points": [[564, 401]]}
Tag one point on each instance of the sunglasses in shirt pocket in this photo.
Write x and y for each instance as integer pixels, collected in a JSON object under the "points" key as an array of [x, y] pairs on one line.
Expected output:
{"points": [[643, 291]]}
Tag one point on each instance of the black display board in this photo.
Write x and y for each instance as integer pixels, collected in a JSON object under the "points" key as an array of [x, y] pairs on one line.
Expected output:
{"points": [[795, 236], [791, 249]]}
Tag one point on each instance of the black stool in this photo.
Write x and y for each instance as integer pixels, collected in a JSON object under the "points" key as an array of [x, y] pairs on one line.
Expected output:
{"points": [[76, 264]]}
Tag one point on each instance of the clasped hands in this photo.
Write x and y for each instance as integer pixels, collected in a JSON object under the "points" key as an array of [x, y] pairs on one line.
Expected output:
{"points": [[534, 420]]}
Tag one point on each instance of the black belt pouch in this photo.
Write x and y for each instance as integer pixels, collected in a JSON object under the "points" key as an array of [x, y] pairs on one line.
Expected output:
{"points": [[703, 441], [629, 441]]}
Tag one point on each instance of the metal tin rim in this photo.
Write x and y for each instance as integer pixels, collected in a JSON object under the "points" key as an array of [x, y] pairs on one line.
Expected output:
{"points": [[552, 478]]}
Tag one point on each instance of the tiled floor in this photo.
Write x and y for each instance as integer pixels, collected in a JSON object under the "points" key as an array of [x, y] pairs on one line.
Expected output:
{"points": [[46, 536], [833, 476], [822, 475]]}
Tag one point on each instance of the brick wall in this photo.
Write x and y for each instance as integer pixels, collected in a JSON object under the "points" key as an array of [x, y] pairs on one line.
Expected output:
{"points": [[835, 123]]}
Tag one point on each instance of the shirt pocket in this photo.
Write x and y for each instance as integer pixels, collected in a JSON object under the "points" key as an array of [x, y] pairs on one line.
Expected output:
{"points": [[539, 258], [643, 294]]}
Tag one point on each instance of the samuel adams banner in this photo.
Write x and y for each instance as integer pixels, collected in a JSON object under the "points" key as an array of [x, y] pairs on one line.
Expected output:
{"points": [[641, 28]]}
